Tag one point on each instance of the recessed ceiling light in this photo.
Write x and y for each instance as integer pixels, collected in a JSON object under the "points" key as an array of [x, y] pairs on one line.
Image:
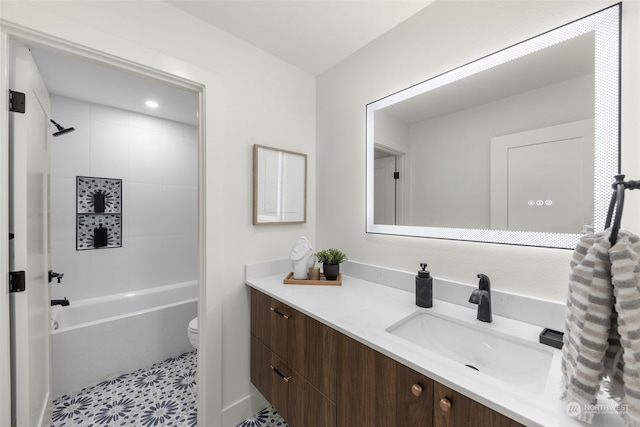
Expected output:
{"points": [[152, 104]]}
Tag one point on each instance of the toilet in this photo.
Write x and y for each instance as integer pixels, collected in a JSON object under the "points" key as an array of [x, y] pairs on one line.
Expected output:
{"points": [[192, 331]]}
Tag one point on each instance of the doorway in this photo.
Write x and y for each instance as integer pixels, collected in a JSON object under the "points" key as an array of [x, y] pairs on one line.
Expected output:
{"points": [[195, 91], [390, 186]]}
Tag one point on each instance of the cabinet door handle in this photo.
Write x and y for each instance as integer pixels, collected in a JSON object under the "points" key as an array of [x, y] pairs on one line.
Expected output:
{"points": [[284, 377], [445, 409], [278, 312], [416, 390]]}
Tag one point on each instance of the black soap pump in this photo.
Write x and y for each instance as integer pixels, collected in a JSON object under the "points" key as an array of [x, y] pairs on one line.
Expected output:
{"points": [[424, 287]]}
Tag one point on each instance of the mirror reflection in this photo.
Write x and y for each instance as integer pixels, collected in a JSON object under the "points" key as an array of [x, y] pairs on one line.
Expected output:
{"points": [[502, 149]]}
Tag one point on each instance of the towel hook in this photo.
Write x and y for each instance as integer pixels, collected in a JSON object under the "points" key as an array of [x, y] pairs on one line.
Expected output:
{"points": [[617, 201]]}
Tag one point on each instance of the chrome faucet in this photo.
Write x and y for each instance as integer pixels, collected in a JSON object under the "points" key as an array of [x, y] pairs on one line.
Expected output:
{"points": [[482, 297]]}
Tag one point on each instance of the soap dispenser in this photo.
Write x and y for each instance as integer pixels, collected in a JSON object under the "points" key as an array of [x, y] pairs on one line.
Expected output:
{"points": [[424, 287]]}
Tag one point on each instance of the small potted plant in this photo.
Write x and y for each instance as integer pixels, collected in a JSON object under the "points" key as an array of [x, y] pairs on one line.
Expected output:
{"points": [[331, 260]]}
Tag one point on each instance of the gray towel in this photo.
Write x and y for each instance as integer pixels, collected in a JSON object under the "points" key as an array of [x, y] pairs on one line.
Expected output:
{"points": [[602, 326]]}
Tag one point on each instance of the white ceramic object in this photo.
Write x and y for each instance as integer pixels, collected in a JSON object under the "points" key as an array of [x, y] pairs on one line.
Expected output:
{"points": [[302, 259], [99, 337], [192, 332], [495, 353]]}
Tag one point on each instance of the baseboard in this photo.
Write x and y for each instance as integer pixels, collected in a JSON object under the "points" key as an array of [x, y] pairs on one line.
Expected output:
{"points": [[243, 409]]}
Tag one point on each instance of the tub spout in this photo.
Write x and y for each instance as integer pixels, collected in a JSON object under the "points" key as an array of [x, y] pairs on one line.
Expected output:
{"points": [[62, 302]]}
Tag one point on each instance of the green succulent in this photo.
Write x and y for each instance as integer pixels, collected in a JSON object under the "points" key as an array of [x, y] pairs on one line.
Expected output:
{"points": [[331, 256]]}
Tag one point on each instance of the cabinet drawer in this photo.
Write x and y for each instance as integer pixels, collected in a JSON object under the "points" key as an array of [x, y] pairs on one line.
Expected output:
{"points": [[305, 344], [270, 321], [268, 374], [308, 407], [295, 399]]}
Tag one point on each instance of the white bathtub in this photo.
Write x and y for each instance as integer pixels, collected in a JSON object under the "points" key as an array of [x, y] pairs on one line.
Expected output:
{"points": [[100, 338]]}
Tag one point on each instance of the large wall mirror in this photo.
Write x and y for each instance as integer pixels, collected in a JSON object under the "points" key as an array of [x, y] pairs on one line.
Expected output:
{"points": [[519, 147]]}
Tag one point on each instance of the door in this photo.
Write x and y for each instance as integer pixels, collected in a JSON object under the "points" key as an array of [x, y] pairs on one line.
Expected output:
{"points": [[384, 198], [548, 202], [365, 386], [453, 409], [29, 249], [542, 179]]}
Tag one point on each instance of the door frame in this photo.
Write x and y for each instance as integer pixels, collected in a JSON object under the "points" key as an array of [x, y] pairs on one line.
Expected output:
{"points": [[5, 330], [402, 184], [209, 271]]}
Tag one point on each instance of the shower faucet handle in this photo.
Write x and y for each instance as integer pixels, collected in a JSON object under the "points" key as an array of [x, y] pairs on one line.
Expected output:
{"points": [[54, 275]]}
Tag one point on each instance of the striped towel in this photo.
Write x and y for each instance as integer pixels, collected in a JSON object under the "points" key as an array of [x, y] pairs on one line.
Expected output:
{"points": [[602, 325]]}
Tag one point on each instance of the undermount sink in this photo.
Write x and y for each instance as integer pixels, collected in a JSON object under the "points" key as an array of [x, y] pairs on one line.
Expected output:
{"points": [[505, 357]]}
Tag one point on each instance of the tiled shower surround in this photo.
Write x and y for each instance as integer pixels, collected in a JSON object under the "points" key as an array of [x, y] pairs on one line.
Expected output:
{"points": [[164, 394], [157, 161]]}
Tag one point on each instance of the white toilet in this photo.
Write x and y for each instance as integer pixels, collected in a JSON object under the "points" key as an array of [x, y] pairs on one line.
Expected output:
{"points": [[192, 331]]}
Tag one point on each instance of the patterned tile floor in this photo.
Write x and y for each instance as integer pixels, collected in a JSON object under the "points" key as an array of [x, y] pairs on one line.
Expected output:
{"points": [[162, 395], [268, 417]]}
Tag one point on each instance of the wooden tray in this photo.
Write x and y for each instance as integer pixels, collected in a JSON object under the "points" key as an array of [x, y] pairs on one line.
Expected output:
{"points": [[289, 280]]}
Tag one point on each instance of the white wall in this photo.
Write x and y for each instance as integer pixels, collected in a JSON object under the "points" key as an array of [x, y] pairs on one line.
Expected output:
{"points": [[157, 161], [445, 35], [391, 132], [250, 97], [458, 146]]}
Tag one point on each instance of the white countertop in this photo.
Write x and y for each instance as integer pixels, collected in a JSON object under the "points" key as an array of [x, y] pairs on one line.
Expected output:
{"points": [[363, 310]]}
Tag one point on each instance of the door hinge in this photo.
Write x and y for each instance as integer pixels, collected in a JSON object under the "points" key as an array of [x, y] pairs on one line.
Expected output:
{"points": [[17, 282], [16, 102], [396, 175]]}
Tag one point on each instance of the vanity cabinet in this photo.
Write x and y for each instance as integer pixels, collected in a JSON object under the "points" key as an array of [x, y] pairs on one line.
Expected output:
{"points": [[376, 391], [315, 376], [455, 409], [293, 362]]}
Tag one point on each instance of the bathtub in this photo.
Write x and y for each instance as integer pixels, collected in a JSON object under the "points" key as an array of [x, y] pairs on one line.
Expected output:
{"points": [[100, 338]]}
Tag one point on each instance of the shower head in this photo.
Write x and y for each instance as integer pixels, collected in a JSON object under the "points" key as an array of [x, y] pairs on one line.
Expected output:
{"points": [[61, 130]]}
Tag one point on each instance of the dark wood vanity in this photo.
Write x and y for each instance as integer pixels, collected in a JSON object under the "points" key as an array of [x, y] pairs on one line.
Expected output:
{"points": [[315, 376]]}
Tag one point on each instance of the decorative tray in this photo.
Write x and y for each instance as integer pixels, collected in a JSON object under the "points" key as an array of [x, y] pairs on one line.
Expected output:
{"points": [[289, 280]]}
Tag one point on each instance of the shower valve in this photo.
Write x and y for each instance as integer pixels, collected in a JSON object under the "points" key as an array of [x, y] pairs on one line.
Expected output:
{"points": [[54, 275]]}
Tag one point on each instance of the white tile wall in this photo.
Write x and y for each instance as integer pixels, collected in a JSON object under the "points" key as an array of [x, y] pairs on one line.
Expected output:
{"points": [[157, 161], [139, 200]]}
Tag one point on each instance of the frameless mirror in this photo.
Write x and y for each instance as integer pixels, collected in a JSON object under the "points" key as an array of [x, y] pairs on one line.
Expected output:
{"points": [[519, 147]]}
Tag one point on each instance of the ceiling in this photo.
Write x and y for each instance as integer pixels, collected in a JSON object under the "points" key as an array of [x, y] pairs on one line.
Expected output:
{"points": [[78, 78], [313, 35]]}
